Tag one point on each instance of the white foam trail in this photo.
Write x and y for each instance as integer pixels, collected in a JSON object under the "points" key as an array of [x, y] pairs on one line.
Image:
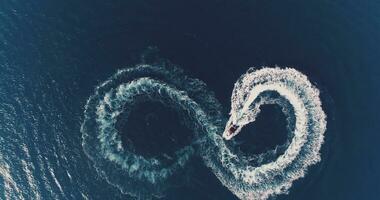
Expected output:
{"points": [[256, 177], [132, 173], [108, 110], [276, 177]]}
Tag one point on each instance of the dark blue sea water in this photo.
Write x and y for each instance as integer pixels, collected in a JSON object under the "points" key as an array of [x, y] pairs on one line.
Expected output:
{"points": [[54, 53]]}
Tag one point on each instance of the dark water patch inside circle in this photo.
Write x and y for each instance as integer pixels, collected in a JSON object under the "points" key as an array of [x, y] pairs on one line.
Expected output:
{"points": [[153, 129], [268, 131]]}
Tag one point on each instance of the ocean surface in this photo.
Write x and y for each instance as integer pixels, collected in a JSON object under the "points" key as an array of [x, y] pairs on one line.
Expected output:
{"points": [[53, 55]]}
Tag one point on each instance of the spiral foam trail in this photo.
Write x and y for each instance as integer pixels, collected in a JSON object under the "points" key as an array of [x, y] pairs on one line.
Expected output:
{"points": [[248, 181], [135, 174]]}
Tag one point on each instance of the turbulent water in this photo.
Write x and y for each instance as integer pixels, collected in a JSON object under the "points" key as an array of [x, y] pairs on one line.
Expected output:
{"points": [[143, 177], [132, 173], [91, 107], [302, 102]]}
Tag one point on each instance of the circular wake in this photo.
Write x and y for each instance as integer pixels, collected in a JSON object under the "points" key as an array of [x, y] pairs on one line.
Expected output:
{"points": [[132, 173], [247, 176], [300, 101]]}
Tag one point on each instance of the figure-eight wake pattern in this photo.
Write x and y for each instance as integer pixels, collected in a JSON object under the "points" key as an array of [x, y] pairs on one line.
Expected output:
{"points": [[254, 177]]}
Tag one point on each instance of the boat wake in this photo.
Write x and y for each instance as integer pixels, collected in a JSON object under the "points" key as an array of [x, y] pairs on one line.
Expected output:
{"points": [[300, 102], [248, 177], [135, 174]]}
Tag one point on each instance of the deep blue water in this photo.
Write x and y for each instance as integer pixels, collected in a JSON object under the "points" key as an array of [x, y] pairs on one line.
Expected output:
{"points": [[53, 54]]}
